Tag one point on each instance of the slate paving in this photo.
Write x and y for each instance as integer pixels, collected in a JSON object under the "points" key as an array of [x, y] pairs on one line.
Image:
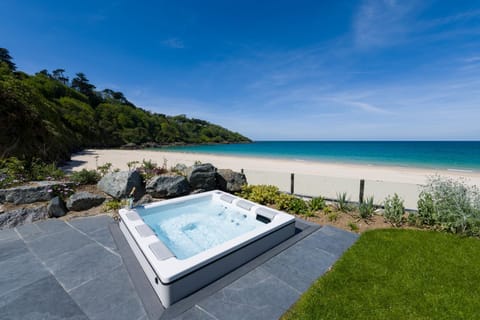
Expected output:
{"points": [[73, 270]]}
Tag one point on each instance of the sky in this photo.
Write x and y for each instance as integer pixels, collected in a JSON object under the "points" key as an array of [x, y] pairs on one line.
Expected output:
{"points": [[271, 70]]}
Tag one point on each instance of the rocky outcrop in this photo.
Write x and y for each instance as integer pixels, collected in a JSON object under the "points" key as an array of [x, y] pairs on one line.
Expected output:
{"points": [[83, 201], [168, 186], [13, 218], [120, 184], [230, 181], [202, 177], [56, 208], [144, 200], [34, 192]]}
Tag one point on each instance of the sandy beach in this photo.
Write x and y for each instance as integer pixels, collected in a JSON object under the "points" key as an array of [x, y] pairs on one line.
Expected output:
{"points": [[89, 159]]}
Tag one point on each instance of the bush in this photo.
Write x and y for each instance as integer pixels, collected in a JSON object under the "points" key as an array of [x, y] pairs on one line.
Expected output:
{"points": [[85, 176], [394, 210], [353, 226], [366, 208], [113, 205], [450, 205], [292, 204], [14, 171], [44, 171], [263, 194], [342, 202], [149, 169], [317, 204]]}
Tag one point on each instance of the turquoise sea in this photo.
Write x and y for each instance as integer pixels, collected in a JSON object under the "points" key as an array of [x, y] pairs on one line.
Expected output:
{"points": [[451, 155]]}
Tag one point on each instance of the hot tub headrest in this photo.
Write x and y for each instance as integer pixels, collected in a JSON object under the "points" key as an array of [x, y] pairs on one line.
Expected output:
{"points": [[161, 251], [267, 213]]}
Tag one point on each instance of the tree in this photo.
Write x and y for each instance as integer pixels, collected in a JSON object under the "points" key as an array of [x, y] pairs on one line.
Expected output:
{"points": [[58, 75], [6, 58], [81, 84]]}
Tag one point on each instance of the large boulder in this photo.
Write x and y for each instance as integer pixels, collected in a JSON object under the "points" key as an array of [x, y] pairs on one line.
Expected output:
{"points": [[34, 192], [120, 184], [56, 208], [202, 177], [230, 181], [13, 218], [83, 201], [168, 186]]}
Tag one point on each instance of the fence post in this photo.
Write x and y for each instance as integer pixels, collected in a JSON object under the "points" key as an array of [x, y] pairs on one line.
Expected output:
{"points": [[241, 170], [292, 183], [362, 190]]}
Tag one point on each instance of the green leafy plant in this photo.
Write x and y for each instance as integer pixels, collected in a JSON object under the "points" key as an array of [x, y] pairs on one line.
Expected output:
{"points": [[450, 205], [317, 204], [333, 216], [39, 170], [366, 208], [113, 205], [149, 169], [85, 176], [353, 226], [263, 194], [343, 202], [63, 190], [292, 204], [104, 169], [394, 210], [132, 165], [327, 210], [14, 171]]}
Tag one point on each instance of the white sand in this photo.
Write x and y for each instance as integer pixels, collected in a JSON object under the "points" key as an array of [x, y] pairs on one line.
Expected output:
{"points": [[119, 159]]}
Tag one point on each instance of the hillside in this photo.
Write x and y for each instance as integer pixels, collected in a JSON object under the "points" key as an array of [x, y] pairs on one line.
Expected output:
{"points": [[47, 116]]}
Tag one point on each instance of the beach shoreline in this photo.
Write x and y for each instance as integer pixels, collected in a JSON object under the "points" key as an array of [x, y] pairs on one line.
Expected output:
{"points": [[90, 158]]}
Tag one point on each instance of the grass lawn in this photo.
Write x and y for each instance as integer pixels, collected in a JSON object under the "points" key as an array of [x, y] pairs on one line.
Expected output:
{"points": [[398, 274]]}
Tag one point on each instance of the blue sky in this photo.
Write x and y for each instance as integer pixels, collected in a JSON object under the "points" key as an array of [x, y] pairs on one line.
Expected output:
{"points": [[270, 69]]}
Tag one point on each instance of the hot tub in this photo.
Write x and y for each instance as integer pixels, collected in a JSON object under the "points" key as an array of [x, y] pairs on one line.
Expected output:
{"points": [[186, 243]]}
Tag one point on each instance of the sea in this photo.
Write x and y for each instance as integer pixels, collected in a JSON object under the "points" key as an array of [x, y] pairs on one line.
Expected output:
{"points": [[461, 156]]}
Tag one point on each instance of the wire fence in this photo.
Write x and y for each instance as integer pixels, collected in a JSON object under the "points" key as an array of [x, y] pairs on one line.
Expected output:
{"points": [[329, 187]]}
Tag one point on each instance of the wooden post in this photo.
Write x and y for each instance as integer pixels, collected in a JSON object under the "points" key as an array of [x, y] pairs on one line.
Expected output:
{"points": [[241, 170], [362, 190], [292, 183]]}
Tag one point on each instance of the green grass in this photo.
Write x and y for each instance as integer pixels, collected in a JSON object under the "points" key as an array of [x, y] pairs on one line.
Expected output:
{"points": [[398, 274]]}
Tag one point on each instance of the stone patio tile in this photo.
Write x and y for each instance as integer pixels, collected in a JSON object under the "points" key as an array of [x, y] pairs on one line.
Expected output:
{"points": [[29, 231], [78, 266], [114, 297], [104, 237], [53, 245], [257, 295], [12, 248], [331, 240], [195, 313], [51, 226], [44, 299], [8, 234], [91, 224], [19, 271]]}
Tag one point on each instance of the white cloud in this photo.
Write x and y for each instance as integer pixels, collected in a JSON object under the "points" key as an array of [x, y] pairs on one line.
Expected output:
{"points": [[174, 43]]}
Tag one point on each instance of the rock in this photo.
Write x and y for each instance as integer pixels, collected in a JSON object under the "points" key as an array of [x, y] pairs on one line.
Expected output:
{"points": [[56, 208], [230, 181], [144, 200], [130, 146], [120, 184], [17, 217], [202, 176], [35, 192], [83, 201], [168, 186]]}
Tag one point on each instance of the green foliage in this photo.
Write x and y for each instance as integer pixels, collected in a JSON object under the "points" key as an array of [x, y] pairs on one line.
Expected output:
{"points": [[366, 208], [42, 116], [317, 204], [14, 171], [343, 202], [263, 194], [398, 274], [353, 226], [104, 169], [332, 216], [450, 205], [113, 205], [62, 190], [394, 210], [85, 176], [327, 210], [292, 204], [149, 169]]}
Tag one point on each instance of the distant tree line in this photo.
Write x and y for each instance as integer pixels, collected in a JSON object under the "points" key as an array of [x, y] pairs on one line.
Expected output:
{"points": [[47, 116]]}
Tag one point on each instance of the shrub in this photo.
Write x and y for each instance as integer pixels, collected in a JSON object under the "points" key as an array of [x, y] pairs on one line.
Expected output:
{"points": [[113, 205], [104, 169], [366, 208], [450, 205], [333, 216], [14, 171], [342, 202], [44, 171], [292, 204], [394, 210], [317, 203], [327, 210], [263, 194], [353, 226], [149, 169], [62, 190], [85, 176]]}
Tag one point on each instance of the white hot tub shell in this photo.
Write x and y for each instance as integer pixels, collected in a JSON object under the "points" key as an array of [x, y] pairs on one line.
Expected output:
{"points": [[172, 278]]}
